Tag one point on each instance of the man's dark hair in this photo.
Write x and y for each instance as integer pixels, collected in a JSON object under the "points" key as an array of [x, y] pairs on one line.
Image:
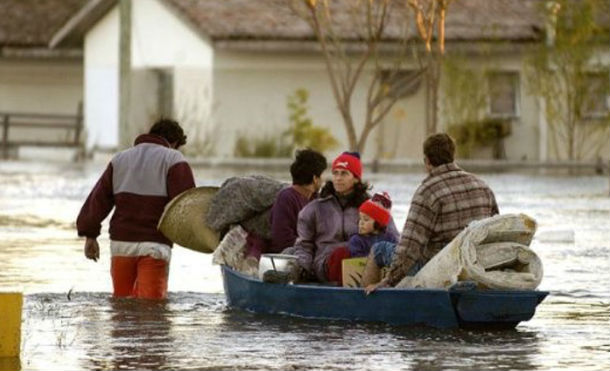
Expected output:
{"points": [[439, 149], [170, 130], [307, 164]]}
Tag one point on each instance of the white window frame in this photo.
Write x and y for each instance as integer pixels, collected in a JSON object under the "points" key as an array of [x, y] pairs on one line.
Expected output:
{"points": [[598, 115], [517, 94]]}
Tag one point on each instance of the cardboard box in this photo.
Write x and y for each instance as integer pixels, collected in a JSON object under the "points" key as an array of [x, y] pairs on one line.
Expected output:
{"points": [[352, 270]]}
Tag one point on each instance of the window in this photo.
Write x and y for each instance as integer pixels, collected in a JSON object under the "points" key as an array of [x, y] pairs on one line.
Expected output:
{"points": [[503, 94], [402, 83], [596, 92]]}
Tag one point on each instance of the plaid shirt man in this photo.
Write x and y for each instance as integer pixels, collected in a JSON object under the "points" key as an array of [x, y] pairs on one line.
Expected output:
{"points": [[443, 205]]}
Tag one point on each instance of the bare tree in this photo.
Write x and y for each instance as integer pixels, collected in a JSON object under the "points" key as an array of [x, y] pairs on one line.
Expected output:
{"points": [[572, 81], [430, 16], [355, 52]]}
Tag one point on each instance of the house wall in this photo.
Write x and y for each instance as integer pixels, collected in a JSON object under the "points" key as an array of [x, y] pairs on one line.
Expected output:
{"points": [[524, 140], [160, 40], [592, 137], [40, 85], [102, 83], [45, 86], [250, 97], [251, 89]]}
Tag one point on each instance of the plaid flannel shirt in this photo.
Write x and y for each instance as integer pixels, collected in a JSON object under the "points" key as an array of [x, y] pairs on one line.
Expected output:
{"points": [[442, 206]]}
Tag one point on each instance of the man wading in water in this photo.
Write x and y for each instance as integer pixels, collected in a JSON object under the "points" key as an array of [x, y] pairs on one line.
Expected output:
{"points": [[138, 182]]}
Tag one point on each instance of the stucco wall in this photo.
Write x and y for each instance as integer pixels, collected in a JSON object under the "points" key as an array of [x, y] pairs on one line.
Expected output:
{"points": [[592, 138], [523, 143], [40, 86], [102, 83], [160, 40], [250, 92]]}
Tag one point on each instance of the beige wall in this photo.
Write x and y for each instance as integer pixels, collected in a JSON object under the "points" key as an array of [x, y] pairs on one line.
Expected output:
{"points": [[40, 85], [46, 86], [523, 143], [593, 137], [250, 92], [102, 83], [160, 40]]}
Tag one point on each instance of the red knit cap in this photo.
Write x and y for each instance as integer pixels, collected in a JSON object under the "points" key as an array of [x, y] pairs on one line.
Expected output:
{"points": [[349, 161], [379, 213]]}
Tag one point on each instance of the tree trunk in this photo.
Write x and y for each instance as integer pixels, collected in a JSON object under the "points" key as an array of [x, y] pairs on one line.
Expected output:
{"points": [[432, 86]]}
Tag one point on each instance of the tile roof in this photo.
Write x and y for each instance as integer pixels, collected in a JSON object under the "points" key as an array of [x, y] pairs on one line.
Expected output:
{"points": [[513, 20], [32, 23]]}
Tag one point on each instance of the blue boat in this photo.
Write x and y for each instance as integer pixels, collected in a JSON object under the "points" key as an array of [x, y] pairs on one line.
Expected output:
{"points": [[489, 309]]}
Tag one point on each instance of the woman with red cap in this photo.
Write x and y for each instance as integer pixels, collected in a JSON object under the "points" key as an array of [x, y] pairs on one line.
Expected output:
{"points": [[327, 223]]}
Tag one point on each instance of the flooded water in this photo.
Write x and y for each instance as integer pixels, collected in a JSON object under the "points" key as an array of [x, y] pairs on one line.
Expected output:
{"points": [[70, 322]]}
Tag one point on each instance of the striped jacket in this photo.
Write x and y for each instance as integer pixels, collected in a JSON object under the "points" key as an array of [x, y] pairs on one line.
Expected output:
{"points": [[443, 205], [138, 182]]}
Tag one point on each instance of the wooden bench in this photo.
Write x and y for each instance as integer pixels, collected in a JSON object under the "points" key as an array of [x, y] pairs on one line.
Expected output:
{"points": [[72, 125]]}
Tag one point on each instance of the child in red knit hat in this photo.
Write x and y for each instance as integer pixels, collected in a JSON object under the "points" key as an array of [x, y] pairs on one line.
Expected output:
{"points": [[372, 228], [374, 218]]}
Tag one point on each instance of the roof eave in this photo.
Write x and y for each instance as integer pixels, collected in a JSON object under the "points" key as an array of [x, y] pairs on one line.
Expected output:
{"points": [[309, 45], [72, 33], [40, 52]]}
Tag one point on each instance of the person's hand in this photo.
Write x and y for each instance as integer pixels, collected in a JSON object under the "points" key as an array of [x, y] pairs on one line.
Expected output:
{"points": [[372, 287], [92, 249]]}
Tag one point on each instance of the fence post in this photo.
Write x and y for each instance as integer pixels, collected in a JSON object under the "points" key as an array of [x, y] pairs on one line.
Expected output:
{"points": [[5, 137]]}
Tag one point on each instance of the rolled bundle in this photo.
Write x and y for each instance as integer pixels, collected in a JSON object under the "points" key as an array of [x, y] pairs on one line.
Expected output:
{"points": [[244, 200], [492, 252]]}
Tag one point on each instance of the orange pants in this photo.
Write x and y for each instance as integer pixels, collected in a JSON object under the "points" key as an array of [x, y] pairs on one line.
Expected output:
{"points": [[142, 277]]}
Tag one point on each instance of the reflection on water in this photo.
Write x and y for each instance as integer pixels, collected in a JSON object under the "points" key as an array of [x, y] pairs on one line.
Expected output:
{"points": [[70, 321], [196, 330]]}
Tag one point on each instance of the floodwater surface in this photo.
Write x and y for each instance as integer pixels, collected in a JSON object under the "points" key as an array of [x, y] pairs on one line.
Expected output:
{"points": [[70, 322]]}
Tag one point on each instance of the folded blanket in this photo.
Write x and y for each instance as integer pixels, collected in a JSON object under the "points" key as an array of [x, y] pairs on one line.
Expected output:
{"points": [[492, 252], [246, 201]]}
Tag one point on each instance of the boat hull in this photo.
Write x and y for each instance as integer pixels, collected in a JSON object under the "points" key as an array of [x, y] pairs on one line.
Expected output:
{"points": [[432, 307]]}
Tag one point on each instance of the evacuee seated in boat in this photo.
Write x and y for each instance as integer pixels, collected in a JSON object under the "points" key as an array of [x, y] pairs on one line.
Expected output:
{"points": [[326, 224], [272, 227], [306, 172], [373, 220], [443, 205]]}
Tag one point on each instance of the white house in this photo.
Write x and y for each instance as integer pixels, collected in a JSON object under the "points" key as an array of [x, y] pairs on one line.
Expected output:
{"points": [[225, 70]]}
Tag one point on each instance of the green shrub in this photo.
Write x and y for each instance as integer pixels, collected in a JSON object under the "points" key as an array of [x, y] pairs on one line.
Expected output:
{"points": [[302, 132], [488, 132], [260, 147]]}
